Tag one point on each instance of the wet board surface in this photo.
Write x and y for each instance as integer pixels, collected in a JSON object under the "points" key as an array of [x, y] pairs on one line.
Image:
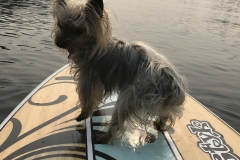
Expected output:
{"points": [[43, 126]]}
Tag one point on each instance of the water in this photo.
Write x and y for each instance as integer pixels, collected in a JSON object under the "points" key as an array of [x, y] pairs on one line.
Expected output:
{"points": [[202, 38]]}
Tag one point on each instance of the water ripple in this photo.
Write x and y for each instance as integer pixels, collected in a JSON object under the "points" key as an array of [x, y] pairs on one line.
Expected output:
{"points": [[6, 62], [4, 47]]}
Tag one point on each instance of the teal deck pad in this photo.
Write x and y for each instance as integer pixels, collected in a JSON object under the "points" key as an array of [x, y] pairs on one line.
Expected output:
{"points": [[159, 150], [122, 150]]}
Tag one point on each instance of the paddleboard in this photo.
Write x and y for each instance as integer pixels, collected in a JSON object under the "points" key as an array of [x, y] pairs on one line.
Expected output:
{"points": [[43, 126]]}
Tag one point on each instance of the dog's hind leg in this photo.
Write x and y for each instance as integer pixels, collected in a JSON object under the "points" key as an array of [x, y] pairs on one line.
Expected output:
{"points": [[113, 128], [128, 114], [120, 115], [116, 128]]}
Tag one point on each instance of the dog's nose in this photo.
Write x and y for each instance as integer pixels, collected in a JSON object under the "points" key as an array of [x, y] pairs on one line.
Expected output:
{"points": [[60, 44]]}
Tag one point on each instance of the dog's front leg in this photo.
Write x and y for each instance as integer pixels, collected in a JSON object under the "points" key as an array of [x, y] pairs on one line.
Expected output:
{"points": [[91, 92]]}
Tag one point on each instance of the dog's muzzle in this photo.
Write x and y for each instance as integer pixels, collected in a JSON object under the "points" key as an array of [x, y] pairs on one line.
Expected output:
{"points": [[61, 44]]}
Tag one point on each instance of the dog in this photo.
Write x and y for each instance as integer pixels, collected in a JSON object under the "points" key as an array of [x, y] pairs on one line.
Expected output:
{"points": [[148, 85]]}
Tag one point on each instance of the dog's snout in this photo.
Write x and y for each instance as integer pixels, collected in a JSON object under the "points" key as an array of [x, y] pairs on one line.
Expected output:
{"points": [[61, 44]]}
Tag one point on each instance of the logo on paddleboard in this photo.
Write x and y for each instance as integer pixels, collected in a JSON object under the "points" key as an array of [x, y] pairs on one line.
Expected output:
{"points": [[211, 142]]}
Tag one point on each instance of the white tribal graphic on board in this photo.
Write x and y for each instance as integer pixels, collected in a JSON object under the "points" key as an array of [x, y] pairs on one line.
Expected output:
{"points": [[211, 142]]}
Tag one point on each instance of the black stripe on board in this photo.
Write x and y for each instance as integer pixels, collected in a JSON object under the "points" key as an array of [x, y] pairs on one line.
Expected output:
{"points": [[60, 99], [17, 127], [69, 127], [60, 155], [99, 124], [73, 119], [29, 96], [62, 138], [51, 149]]}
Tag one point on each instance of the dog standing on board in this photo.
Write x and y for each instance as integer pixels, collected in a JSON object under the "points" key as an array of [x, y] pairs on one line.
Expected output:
{"points": [[148, 85]]}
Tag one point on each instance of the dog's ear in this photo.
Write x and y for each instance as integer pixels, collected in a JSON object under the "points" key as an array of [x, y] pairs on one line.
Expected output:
{"points": [[97, 5], [60, 2]]}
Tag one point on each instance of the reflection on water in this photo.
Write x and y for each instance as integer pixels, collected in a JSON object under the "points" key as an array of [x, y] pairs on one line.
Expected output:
{"points": [[202, 38]]}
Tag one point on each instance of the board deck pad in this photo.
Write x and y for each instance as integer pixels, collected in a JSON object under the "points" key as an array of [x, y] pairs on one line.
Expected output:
{"points": [[132, 147], [43, 126]]}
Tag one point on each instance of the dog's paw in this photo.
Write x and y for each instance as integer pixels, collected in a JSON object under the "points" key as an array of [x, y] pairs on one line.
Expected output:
{"points": [[81, 117], [150, 138]]}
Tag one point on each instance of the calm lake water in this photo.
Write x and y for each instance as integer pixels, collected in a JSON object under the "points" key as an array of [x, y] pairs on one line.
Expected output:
{"points": [[202, 38]]}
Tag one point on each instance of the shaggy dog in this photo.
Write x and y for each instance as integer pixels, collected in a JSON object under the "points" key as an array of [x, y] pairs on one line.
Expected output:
{"points": [[148, 85]]}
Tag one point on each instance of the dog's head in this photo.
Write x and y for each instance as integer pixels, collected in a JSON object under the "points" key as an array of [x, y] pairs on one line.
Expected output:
{"points": [[80, 26]]}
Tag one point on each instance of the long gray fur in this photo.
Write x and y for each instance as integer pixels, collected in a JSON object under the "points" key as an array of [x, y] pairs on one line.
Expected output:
{"points": [[148, 84]]}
